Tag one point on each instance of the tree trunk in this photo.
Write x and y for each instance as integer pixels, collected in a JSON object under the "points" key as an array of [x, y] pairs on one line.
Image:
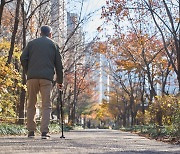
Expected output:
{"points": [[22, 101], [178, 64], [70, 118], [75, 96], [69, 107], [124, 119], [142, 94], [84, 125], [159, 117], [13, 37], [132, 109], [23, 92], [128, 117], [176, 40]]}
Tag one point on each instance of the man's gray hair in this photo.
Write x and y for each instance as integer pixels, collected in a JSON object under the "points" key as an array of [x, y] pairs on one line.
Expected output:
{"points": [[46, 30]]}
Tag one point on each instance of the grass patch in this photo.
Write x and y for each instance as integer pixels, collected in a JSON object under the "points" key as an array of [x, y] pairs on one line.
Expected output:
{"points": [[163, 133], [13, 129]]}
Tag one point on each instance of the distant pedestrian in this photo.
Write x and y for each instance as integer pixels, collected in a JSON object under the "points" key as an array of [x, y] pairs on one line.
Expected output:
{"points": [[41, 59]]}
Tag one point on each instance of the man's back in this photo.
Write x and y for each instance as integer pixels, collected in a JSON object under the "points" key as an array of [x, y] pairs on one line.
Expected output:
{"points": [[42, 58]]}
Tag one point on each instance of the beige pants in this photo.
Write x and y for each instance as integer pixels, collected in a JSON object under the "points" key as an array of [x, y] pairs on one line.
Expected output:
{"points": [[33, 87]]}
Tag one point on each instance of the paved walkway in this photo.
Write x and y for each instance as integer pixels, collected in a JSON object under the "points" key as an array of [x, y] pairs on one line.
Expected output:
{"points": [[87, 142]]}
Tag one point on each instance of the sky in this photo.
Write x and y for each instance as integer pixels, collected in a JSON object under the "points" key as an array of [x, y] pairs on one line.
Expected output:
{"points": [[95, 21], [89, 6]]}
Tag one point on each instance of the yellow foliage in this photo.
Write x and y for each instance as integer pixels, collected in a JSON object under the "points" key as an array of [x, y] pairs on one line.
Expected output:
{"points": [[10, 82], [167, 105], [140, 117], [4, 46], [100, 112]]}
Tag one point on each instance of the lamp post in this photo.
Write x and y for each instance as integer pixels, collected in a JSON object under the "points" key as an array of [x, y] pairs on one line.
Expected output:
{"points": [[75, 97], [75, 92]]}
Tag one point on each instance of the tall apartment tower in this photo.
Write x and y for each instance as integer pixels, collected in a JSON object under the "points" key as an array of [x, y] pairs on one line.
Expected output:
{"points": [[58, 20], [75, 35]]}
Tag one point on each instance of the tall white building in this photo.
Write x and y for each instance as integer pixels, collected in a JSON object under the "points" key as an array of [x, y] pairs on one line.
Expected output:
{"points": [[104, 79]]}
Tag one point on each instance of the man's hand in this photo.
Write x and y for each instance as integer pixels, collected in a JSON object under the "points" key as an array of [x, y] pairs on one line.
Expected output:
{"points": [[59, 86]]}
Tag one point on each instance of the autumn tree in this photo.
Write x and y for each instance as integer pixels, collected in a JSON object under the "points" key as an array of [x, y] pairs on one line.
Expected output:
{"points": [[168, 15], [143, 17], [140, 60]]}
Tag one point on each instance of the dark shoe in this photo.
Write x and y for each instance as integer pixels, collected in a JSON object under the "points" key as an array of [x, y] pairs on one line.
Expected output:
{"points": [[31, 134], [45, 135]]}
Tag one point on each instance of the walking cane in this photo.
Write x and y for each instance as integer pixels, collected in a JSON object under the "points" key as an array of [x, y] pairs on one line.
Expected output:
{"points": [[62, 113]]}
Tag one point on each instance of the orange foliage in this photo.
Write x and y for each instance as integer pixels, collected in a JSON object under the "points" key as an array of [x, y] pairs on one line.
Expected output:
{"points": [[115, 6], [7, 20], [100, 47]]}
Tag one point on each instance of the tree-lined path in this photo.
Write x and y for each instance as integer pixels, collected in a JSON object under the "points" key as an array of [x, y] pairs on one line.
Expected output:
{"points": [[121, 61], [87, 141]]}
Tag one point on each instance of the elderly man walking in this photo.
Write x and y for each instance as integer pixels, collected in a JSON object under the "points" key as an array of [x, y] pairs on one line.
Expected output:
{"points": [[41, 59]]}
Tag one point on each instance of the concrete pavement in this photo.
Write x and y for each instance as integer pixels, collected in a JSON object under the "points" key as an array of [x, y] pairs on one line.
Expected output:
{"points": [[87, 142]]}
